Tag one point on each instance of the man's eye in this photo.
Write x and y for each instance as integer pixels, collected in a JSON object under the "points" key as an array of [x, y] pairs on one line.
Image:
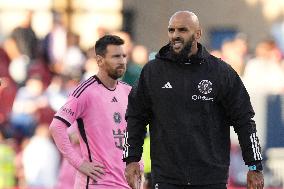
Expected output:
{"points": [[171, 30]]}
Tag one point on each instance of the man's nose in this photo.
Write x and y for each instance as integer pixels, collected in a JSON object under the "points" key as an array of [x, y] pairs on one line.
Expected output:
{"points": [[176, 34], [123, 60]]}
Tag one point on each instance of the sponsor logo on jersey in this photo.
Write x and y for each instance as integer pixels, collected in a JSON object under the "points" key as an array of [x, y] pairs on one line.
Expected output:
{"points": [[118, 135], [117, 117], [68, 111]]}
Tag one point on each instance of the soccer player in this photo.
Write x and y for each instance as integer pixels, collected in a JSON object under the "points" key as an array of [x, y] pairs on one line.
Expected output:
{"points": [[98, 105]]}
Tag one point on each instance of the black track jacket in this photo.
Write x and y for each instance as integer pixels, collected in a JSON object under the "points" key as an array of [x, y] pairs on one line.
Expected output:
{"points": [[190, 106]]}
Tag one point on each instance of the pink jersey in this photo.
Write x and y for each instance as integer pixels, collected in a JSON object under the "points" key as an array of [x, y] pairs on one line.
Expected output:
{"points": [[100, 115]]}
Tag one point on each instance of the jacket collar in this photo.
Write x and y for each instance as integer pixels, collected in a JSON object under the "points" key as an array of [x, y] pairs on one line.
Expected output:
{"points": [[199, 57]]}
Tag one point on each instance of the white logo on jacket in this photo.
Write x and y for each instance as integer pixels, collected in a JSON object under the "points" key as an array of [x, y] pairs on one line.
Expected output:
{"points": [[204, 87], [167, 86]]}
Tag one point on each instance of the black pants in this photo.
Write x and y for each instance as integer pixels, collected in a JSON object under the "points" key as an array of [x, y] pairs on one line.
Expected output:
{"points": [[172, 186]]}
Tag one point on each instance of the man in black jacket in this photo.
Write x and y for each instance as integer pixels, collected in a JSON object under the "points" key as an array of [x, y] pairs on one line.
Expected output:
{"points": [[190, 99]]}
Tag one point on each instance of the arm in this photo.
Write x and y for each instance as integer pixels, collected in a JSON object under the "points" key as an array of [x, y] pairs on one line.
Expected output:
{"points": [[138, 116], [67, 115], [59, 133], [239, 111]]}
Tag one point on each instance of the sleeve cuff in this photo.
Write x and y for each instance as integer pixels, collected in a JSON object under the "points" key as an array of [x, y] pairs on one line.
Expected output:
{"points": [[256, 164], [131, 159]]}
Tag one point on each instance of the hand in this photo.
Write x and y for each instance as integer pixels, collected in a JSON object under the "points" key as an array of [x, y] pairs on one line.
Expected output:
{"points": [[94, 170], [255, 180], [133, 175]]}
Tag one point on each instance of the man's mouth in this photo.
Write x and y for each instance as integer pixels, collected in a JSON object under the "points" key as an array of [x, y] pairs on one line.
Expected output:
{"points": [[120, 68], [177, 44]]}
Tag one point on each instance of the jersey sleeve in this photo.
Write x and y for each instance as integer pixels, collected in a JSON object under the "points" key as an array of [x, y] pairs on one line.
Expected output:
{"points": [[71, 110], [60, 135]]}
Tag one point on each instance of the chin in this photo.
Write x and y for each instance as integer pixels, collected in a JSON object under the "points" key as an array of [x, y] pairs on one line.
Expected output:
{"points": [[177, 52]]}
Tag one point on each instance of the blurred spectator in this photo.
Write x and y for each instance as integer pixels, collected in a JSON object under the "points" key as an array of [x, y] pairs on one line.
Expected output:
{"points": [[74, 58], [91, 67], [19, 62], [20, 176], [7, 169], [41, 160], [55, 43], [4, 63], [25, 37], [240, 43], [234, 52], [29, 99], [139, 57], [8, 91], [41, 68], [101, 31], [57, 93], [263, 76], [277, 31], [264, 73]]}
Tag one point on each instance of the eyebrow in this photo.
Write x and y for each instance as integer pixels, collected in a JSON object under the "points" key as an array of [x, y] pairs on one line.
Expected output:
{"points": [[178, 28], [118, 55]]}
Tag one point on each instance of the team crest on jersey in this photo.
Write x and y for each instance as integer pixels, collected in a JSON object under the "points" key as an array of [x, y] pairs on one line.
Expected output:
{"points": [[205, 86], [117, 117]]}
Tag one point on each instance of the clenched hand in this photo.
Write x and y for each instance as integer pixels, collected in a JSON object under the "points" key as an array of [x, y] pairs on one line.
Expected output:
{"points": [[133, 175], [255, 180]]}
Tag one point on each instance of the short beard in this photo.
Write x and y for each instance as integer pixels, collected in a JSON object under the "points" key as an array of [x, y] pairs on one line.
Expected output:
{"points": [[114, 75], [183, 54]]}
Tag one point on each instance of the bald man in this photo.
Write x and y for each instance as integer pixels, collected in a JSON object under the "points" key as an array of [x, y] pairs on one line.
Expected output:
{"points": [[190, 99]]}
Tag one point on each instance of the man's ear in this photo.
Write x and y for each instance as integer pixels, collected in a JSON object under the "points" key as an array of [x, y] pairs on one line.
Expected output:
{"points": [[99, 60], [198, 34]]}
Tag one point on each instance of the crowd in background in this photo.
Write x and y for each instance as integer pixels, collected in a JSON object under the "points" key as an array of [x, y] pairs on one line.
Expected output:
{"points": [[38, 74]]}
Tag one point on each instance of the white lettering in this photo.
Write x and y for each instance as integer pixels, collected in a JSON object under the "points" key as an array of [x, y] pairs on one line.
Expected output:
{"points": [[203, 98]]}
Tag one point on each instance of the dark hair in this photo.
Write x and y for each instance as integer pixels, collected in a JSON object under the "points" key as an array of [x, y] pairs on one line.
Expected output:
{"points": [[103, 42]]}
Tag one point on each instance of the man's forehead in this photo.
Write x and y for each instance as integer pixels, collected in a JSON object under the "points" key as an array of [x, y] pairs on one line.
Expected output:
{"points": [[180, 19], [115, 49], [184, 19], [179, 24]]}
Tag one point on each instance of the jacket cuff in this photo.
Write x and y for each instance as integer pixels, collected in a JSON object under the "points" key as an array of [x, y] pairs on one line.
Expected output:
{"points": [[131, 159], [257, 164]]}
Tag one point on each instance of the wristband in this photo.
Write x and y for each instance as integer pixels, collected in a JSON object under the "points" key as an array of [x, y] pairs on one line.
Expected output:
{"points": [[256, 167], [252, 168]]}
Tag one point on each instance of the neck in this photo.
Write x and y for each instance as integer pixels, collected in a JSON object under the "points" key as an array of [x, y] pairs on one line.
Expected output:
{"points": [[194, 50], [106, 80]]}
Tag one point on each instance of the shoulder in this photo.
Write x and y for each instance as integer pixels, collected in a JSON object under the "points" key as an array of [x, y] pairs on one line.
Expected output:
{"points": [[125, 85], [153, 66], [83, 88], [219, 64]]}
